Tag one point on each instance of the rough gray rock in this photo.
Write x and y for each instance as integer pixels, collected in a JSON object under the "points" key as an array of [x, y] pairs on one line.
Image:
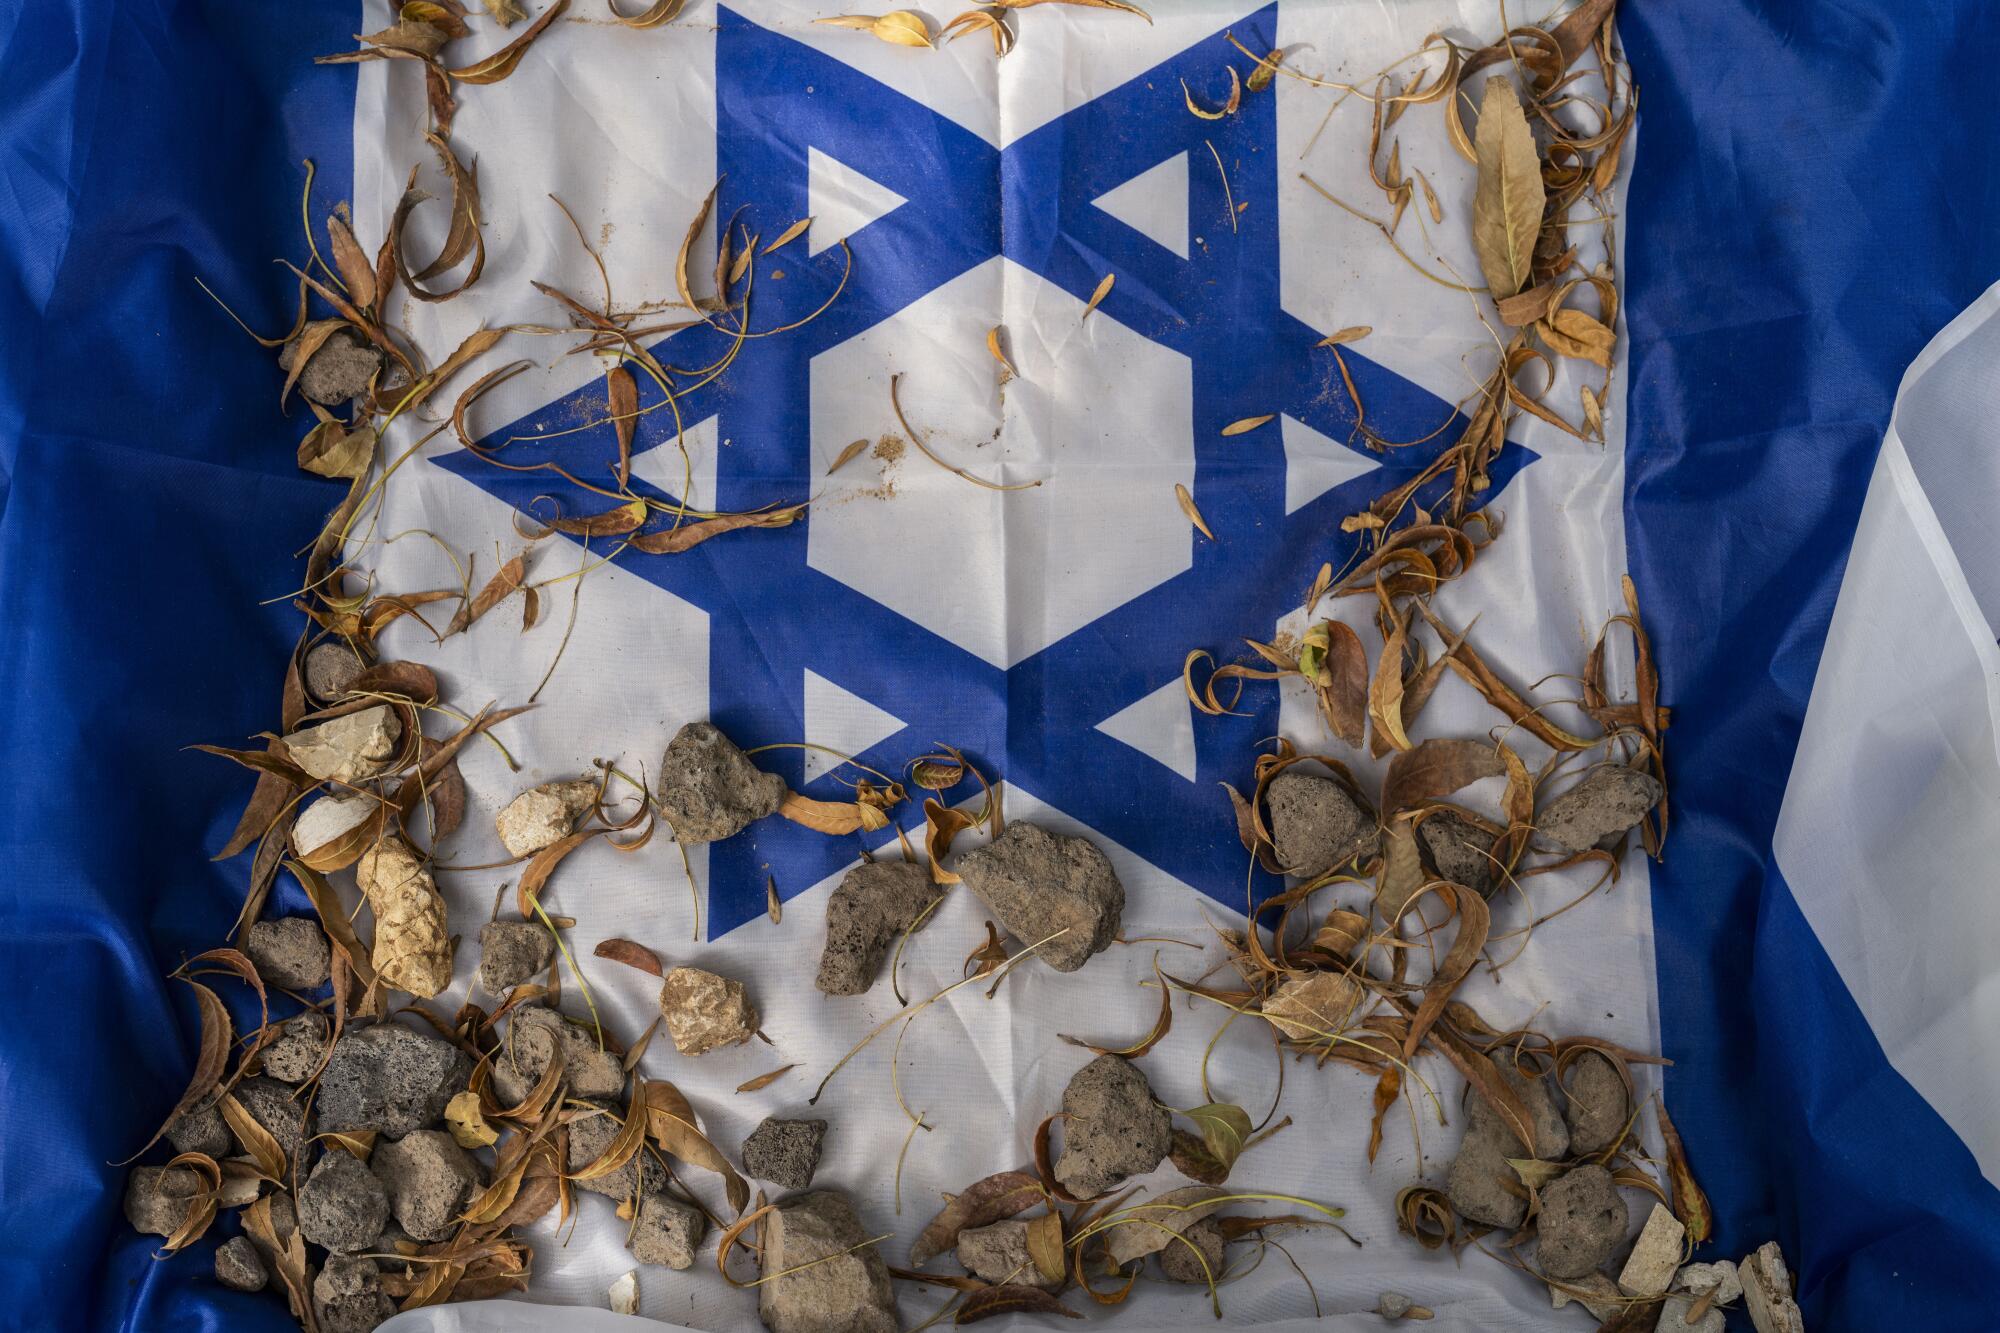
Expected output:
{"points": [[349, 748], [428, 1179], [290, 953], [342, 1206], [534, 1037], [1720, 1277], [238, 1266], [1393, 1305], [1674, 1317], [709, 789], [202, 1129], [543, 816], [848, 1293], [1038, 883], [1479, 1178], [999, 1254], [1113, 1128], [512, 952], [348, 1296], [666, 1231], [589, 1136], [1594, 1104], [1459, 850], [784, 1152], [875, 903], [1607, 801], [156, 1198], [338, 371], [1178, 1261], [330, 668], [1316, 823], [1582, 1222], [704, 1010], [296, 1053], [389, 1078], [273, 1105]]}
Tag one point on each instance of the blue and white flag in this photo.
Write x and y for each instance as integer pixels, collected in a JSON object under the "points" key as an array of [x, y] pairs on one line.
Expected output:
{"points": [[1006, 565]]}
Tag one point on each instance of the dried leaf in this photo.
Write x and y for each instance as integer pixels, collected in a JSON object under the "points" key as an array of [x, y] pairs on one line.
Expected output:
{"points": [[1118, 5], [1507, 206], [626, 1144], [621, 394], [467, 1124], [1385, 691], [497, 590], [1582, 337], [503, 62], [331, 450], [773, 908], [999, 353], [830, 817], [1691, 1206], [1436, 769], [1228, 108], [672, 541], [1247, 424], [982, 1203], [1045, 1245], [1103, 290], [610, 523], [1343, 682], [1187, 507], [1352, 333], [661, 11], [1161, 1026], [632, 955], [671, 1122], [356, 274], [763, 1081], [211, 1058], [1010, 1300], [899, 27], [789, 234], [1224, 1128], [847, 456], [1387, 1088], [980, 20], [1192, 1159]]}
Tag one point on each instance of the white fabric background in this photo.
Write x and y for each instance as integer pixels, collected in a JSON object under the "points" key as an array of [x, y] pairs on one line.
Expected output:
{"points": [[594, 115], [1887, 836]]}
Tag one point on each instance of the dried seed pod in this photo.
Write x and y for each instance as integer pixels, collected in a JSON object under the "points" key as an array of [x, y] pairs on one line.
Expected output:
{"points": [[412, 945]]}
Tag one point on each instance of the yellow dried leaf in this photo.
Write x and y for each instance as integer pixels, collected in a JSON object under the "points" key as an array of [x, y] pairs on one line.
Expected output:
{"points": [[899, 27], [504, 61], [1247, 424], [1187, 507], [846, 456], [999, 353], [789, 234], [1593, 412], [662, 11], [1352, 333], [1103, 290], [1228, 108], [468, 1126], [980, 20], [1575, 334], [1267, 69], [1507, 206]]}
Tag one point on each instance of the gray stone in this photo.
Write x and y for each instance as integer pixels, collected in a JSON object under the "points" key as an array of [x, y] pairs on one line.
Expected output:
{"points": [[589, 1135], [875, 903], [999, 1254], [1393, 1304], [278, 1109], [1582, 1223], [1721, 1278], [1674, 1317], [1595, 1104], [338, 372], [238, 1266], [666, 1231], [342, 1206], [1459, 850], [543, 816], [202, 1129], [1038, 883], [297, 1052], [784, 1152], [513, 952], [534, 1037], [350, 748], [156, 1198], [428, 1179], [1113, 1128], [704, 1010], [709, 789], [1316, 823], [348, 1296], [1767, 1291], [290, 953], [1607, 801], [330, 669], [848, 1292], [1479, 1179], [389, 1078], [1179, 1261]]}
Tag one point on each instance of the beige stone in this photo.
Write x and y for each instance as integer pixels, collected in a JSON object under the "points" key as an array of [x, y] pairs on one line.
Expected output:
{"points": [[334, 830], [704, 1011], [1656, 1256], [412, 945], [347, 749], [543, 816], [1596, 1293], [1767, 1291]]}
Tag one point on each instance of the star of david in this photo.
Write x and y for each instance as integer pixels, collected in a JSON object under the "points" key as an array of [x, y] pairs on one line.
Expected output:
{"points": [[779, 626]]}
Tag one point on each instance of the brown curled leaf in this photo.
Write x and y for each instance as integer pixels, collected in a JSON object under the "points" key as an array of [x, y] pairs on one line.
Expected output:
{"points": [[981, 1203], [611, 523], [763, 1081], [504, 61], [672, 541], [661, 11], [497, 590], [1690, 1204], [1014, 1299], [671, 1122], [1436, 769], [631, 954], [211, 1058]]}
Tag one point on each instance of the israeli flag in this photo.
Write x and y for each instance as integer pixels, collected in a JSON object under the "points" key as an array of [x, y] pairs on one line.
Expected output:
{"points": [[1006, 565]]}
